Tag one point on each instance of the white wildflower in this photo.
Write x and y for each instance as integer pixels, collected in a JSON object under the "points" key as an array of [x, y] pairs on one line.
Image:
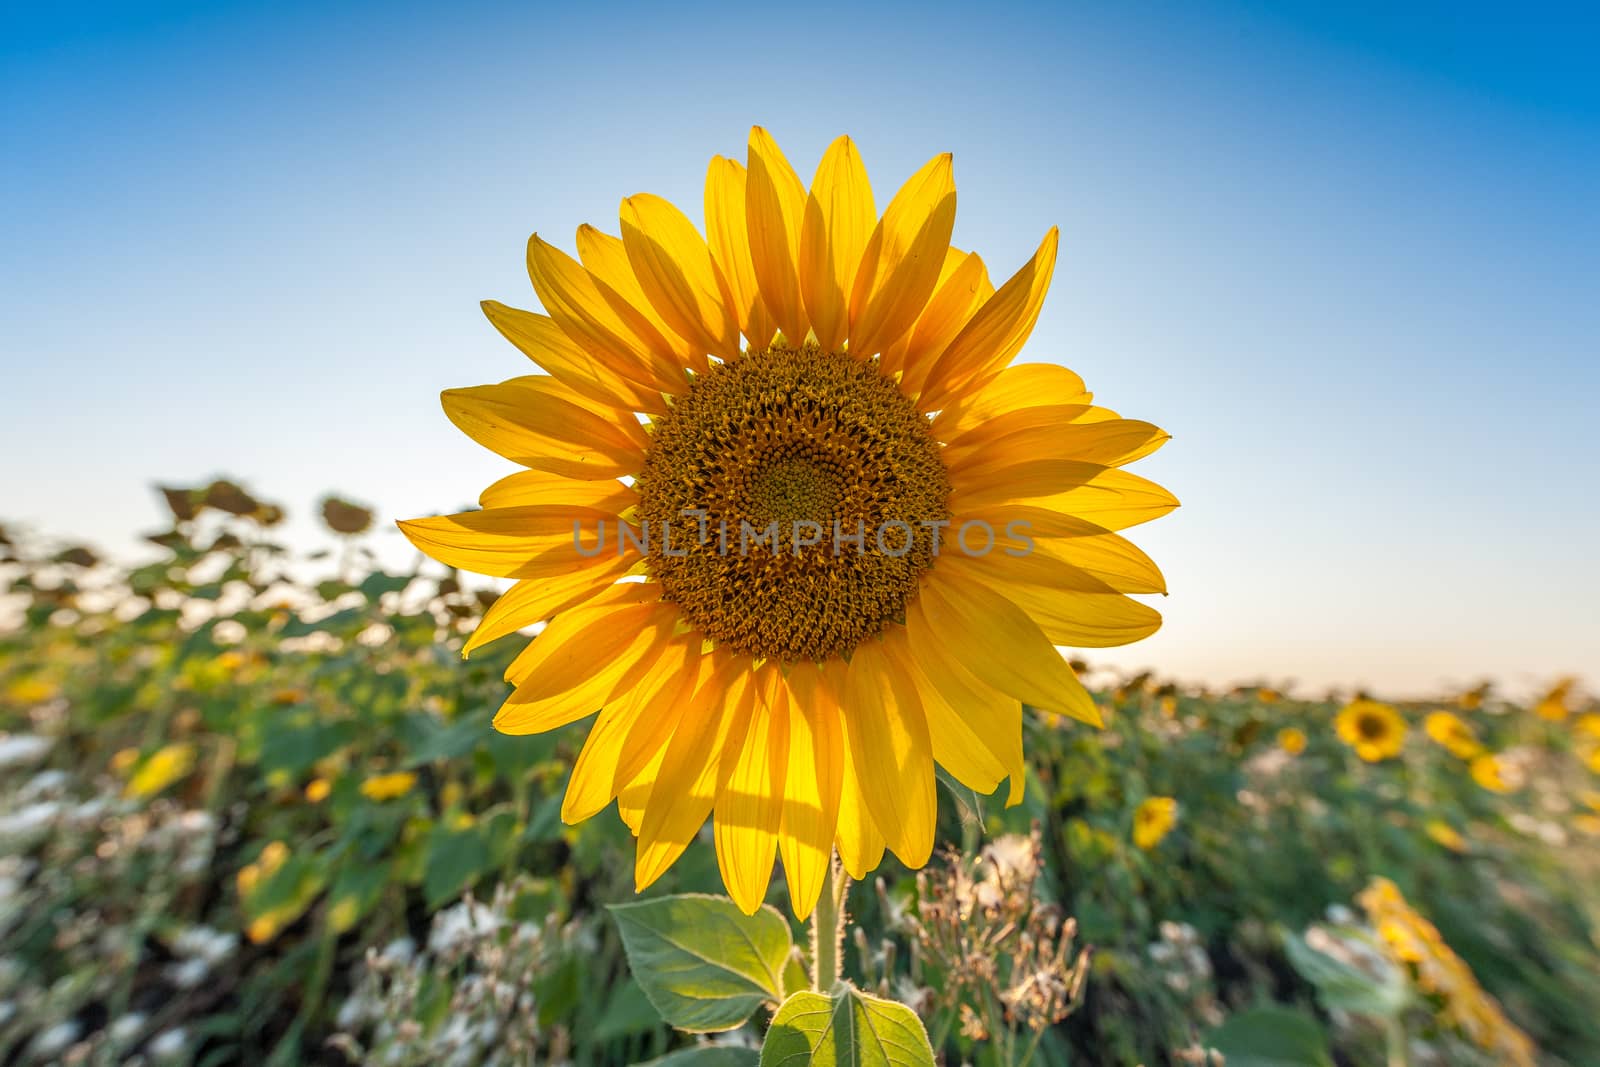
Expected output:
{"points": [[24, 750], [127, 1027], [169, 1044], [54, 1041]]}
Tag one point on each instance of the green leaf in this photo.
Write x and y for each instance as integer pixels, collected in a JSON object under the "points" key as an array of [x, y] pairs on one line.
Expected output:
{"points": [[455, 859], [296, 739], [846, 1029], [704, 964], [795, 975], [378, 583], [708, 1056], [969, 805], [358, 887], [446, 741], [1340, 987], [627, 1013], [1271, 1037]]}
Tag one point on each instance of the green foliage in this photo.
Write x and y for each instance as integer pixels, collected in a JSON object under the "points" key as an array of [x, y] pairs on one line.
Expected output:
{"points": [[709, 1056], [704, 964], [845, 1028], [1271, 1037], [1341, 987]]}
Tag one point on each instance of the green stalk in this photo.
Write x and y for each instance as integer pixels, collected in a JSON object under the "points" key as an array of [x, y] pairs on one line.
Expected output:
{"points": [[827, 928], [1394, 1033]]}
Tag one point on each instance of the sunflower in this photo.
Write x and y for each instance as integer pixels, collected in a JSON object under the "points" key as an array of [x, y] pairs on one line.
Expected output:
{"points": [[1445, 834], [1496, 774], [799, 527], [1586, 731], [1153, 820], [1552, 707], [1292, 740], [1410, 940], [1376, 731], [1453, 735]]}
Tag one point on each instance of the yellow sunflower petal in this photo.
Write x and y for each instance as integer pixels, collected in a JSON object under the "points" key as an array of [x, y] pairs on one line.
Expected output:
{"points": [[633, 797], [592, 783], [568, 292], [629, 620], [963, 289], [904, 256], [1008, 473], [533, 421], [728, 235], [663, 695], [1067, 616], [693, 767], [1108, 557], [995, 334], [1039, 419], [560, 644], [839, 216], [975, 730], [1113, 443], [606, 259], [811, 789], [889, 732], [775, 205], [533, 600], [540, 339], [1107, 497], [629, 736], [999, 644], [1017, 387], [859, 840], [531, 488], [676, 272], [750, 804], [520, 542]]}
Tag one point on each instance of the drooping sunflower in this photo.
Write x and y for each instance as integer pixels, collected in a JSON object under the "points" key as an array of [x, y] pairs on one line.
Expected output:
{"points": [[1376, 731], [806, 364]]}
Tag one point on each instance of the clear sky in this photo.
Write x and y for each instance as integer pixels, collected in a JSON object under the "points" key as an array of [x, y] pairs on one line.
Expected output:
{"points": [[1348, 256]]}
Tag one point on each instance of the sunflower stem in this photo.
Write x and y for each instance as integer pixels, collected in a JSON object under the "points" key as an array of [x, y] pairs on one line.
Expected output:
{"points": [[827, 928]]}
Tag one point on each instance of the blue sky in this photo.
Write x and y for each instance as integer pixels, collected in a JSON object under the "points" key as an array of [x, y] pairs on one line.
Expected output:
{"points": [[1348, 258]]}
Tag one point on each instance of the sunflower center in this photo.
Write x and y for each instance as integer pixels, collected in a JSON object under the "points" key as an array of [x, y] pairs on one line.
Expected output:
{"points": [[1372, 728], [803, 492], [793, 490]]}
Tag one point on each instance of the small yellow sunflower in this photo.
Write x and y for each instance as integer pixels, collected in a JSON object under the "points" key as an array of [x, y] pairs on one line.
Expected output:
{"points": [[1586, 739], [830, 533], [1495, 773], [1453, 735], [1153, 820], [1292, 740], [390, 786], [1376, 731], [1446, 835]]}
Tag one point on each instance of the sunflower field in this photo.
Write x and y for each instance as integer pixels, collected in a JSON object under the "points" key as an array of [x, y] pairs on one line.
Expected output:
{"points": [[252, 810]]}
